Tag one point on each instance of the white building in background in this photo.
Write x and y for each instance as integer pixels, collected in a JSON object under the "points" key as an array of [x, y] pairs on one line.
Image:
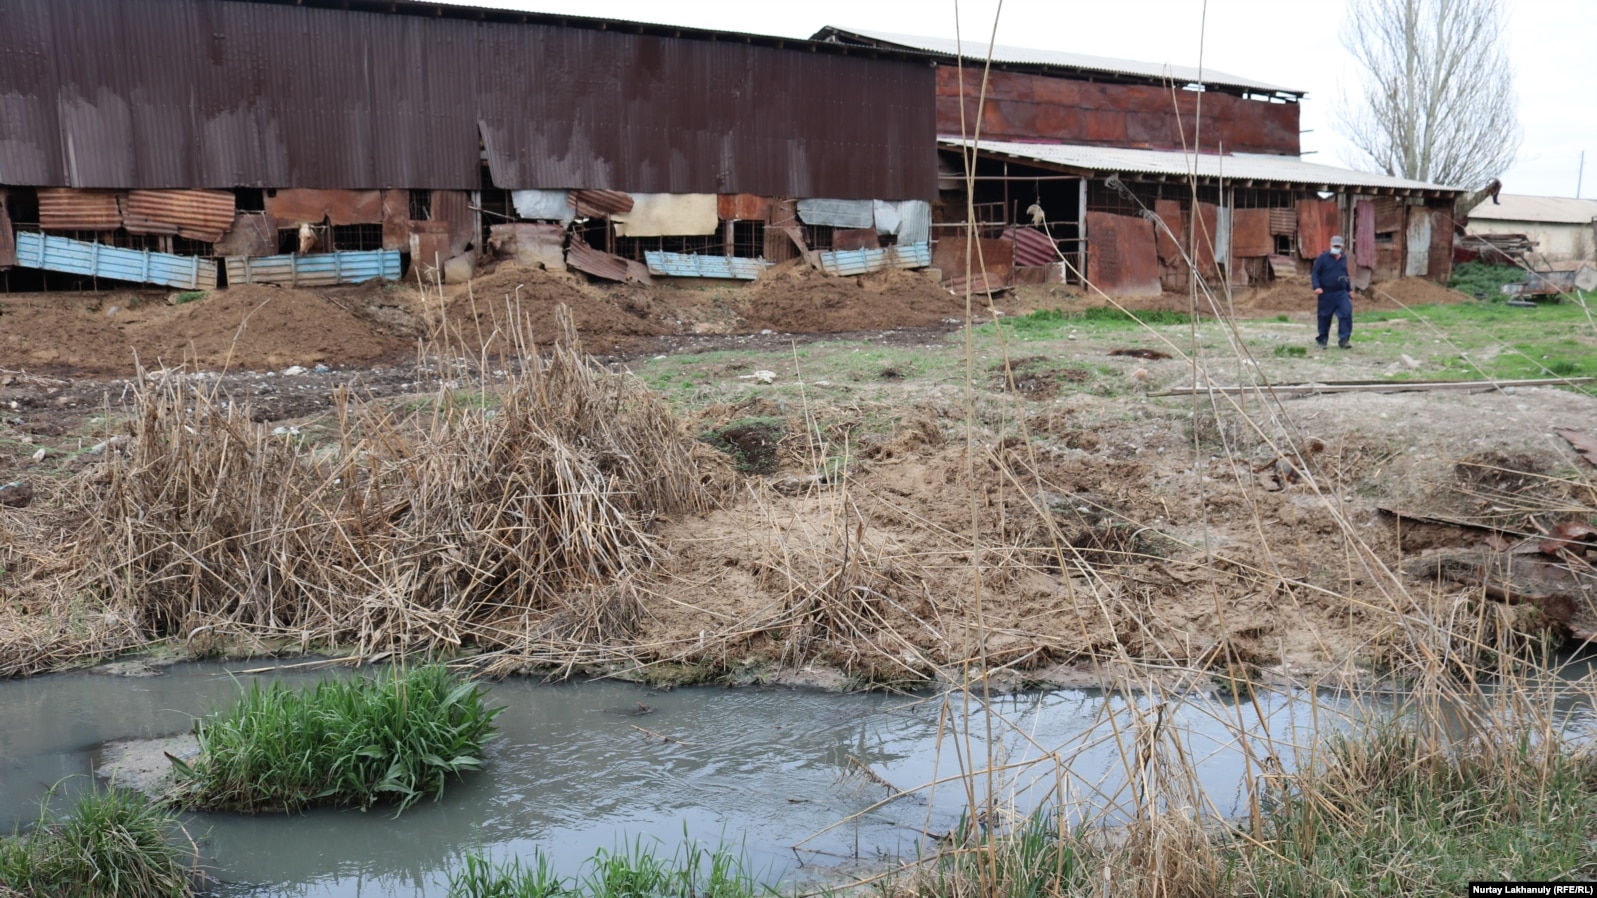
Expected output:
{"points": [[1562, 229]]}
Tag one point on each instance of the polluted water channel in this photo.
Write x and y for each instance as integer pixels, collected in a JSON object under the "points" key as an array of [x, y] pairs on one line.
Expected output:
{"points": [[795, 781]]}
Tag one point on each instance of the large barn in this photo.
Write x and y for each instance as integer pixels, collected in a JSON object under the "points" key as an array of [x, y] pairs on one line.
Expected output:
{"points": [[1076, 157], [320, 141]]}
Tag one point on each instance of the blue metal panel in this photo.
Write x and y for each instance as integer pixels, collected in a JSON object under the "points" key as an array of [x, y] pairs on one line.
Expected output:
{"points": [[864, 261], [319, 270], [98, 260], [688, 265]]}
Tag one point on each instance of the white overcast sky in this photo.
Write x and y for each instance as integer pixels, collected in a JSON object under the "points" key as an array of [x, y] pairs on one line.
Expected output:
{"points": [[1293, 43]]}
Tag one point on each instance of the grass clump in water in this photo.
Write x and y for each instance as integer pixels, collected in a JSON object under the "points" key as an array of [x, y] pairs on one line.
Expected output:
{"points": [[115, 844], [637, 871], [342, 742]]}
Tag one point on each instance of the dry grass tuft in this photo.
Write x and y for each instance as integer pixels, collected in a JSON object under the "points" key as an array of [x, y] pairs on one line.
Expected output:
{"points": [[504, 510]]}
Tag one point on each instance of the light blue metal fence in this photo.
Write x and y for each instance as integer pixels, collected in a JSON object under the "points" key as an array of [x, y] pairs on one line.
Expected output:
{"points": [[689, 265], [114, 263], [864, 261], [317, 270]]}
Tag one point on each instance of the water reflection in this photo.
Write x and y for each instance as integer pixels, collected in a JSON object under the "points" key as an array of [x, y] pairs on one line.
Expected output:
{"points": [[581, 766]]}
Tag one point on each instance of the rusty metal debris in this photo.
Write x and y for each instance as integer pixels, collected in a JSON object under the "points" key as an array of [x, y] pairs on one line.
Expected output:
{"points": [[68, 209], [203, 215], [337, 207]]}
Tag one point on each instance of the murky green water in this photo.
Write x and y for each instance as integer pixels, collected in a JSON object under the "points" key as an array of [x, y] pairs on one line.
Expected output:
{"points": [[764, 770]]}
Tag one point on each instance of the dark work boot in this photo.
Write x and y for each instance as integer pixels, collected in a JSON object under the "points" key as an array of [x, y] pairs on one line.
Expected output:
{"points": [[1345, 344], [1320, 343]]}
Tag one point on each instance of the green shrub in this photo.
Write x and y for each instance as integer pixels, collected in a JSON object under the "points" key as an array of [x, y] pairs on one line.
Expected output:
{"points": [[342, 742], [115, 844], [636, 871], [1484, 281], [188, 296]]}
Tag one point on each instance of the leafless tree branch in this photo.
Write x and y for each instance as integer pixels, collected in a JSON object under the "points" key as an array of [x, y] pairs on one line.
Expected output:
{"points": [[1436, 100]]}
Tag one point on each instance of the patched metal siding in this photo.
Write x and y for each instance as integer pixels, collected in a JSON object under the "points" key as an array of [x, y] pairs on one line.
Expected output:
{"points": [[228, 93], [98, 260]]}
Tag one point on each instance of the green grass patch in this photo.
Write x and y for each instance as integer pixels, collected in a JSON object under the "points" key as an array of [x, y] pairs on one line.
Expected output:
{"points": [[1499, 341], [114, 844], [636, 871], [1048, 323], [1393, 815], [342, 742], [1291, 352], [1484, 281], [188, 296]]}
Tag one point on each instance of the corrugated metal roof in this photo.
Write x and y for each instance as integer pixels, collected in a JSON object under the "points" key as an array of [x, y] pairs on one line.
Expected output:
{"points": [[1552, 209], [1235, 166], [1029, 56], [227, 93]]}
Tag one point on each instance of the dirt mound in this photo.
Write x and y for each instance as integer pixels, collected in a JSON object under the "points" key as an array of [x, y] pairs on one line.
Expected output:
{"points": [[795, 298], [251, 327], [608, 318]]}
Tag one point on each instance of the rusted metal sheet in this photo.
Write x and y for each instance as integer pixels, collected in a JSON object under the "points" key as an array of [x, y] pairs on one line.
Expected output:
{"points": [[8, 240], [1169, 244], [996, 258], [63, 254], [1364, 234], [600, 264], [743, 207], [1317, 224], [396, 220], [1203, 239], [1388, 214], [252, 234], [203, 215], [1283, 222], [338, 207], [387, 94], [429, 244], [855, 238], [600, 203], [533, 244], [454, 207], [1122, 258], [70, 209], [784, 214], [1033, 248], [1440, 267], [1250, 233], [1023, 106]]}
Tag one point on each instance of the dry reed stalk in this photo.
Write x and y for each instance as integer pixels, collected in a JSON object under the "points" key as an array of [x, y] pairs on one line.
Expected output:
{"points": [[509, 510]]}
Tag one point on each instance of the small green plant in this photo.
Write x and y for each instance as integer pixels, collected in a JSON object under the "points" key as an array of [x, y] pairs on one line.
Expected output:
{"points": [[1562, 367], [114, 844], [1291, 352], [752, 443], [1283, 319], [342, 742], [188, 296]]}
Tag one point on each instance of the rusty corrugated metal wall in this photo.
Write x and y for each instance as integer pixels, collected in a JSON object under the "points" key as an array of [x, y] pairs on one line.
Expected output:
{"points": [[228, 93]]}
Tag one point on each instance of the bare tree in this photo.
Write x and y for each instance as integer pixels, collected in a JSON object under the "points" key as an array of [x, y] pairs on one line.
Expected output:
{"points": [[1437, 97]]}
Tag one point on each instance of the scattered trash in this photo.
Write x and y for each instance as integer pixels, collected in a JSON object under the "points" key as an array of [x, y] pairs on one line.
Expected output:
{"points": [[293, 370], [39, 456], [321, 369]]}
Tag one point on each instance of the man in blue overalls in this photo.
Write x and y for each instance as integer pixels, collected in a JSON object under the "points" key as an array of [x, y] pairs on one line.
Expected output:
{"points": [[1330, 281]]}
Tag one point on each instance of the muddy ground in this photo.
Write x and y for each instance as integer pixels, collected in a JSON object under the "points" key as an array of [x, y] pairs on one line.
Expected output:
{"points": [[1292, 535]]}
